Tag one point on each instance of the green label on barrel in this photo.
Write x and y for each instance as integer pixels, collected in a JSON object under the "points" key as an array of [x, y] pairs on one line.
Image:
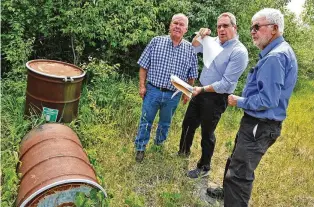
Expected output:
{"points": [[50, 114]]}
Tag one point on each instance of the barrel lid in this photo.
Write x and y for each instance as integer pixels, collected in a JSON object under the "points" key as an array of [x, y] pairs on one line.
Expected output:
{"points": [[58, 183], [56, 69]]}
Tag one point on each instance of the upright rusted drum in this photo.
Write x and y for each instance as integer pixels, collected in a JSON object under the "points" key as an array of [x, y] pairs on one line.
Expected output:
{"points": [[53, 89], [53, 168]]}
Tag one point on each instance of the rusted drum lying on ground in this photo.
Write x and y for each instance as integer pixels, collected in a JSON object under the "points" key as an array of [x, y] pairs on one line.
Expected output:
{"points": [[54, 89], [53, 168]]}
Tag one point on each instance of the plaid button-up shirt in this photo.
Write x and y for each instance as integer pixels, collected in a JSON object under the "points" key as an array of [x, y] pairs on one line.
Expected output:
{"points": [[161, 59]]}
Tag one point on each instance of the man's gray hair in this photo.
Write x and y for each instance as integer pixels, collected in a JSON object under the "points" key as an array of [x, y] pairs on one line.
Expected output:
{"points": [[273, 16], [231, 17], [186, 20]]}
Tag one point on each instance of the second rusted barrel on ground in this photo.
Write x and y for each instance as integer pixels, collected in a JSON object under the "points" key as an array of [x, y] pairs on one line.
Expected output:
{"points": [[53, 89], [54, 167]]}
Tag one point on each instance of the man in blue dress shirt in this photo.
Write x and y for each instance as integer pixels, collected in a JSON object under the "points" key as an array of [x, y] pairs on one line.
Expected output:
{"points": [[264, 101], [210, 101], [163, 56]]}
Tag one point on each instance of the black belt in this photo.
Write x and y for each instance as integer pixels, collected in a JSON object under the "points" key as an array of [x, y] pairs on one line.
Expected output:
{"points": [[160, 88], [262, 119]]}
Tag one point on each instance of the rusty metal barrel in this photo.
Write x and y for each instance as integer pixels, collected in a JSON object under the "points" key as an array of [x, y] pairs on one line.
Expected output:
{"points": [[53, 168], [53, 89]]}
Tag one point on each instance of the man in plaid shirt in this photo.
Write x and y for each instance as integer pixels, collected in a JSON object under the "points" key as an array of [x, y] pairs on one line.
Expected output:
{"points": [[163, 56]]}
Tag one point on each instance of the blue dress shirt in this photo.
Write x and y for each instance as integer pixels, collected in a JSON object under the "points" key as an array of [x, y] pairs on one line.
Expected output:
{"points": [[270, 83], [162, 59], [225, 70]]}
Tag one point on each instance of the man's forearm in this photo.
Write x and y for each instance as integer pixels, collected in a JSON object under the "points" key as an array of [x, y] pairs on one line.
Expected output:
{"points": [[209, 88], [195, 42], [142, 76]]}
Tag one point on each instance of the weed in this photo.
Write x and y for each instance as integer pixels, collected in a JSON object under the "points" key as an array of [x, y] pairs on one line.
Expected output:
{"points": [[109, 112]]}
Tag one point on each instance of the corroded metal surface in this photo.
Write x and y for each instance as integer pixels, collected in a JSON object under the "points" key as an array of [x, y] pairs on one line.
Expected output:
{"points": [[54, 85], [54, 68], [52, 157]]}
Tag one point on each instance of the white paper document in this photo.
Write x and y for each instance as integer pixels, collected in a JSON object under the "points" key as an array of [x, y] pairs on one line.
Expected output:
{"points": [[211, 49], [181, 86]]}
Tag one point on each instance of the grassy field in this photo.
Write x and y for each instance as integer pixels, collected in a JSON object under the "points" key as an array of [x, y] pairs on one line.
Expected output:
{"points": [[107, 125], [284, 177]]}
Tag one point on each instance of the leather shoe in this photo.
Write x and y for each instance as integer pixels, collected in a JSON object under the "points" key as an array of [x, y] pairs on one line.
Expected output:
{"points": [[184, 154], [139, 156], [217, 193]]}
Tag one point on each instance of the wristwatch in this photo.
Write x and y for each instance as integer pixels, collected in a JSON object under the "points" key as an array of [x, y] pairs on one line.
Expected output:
{"points": [[203, 89]]}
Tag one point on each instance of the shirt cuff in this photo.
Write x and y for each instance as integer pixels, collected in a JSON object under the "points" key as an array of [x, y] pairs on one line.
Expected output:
{"points": [[198, 49], [217, 87], [142, 64], [240, 102], [144, 67]]}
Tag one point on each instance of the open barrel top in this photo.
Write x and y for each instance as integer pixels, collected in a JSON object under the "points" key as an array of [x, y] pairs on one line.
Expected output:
{"points": [[54, 68]]}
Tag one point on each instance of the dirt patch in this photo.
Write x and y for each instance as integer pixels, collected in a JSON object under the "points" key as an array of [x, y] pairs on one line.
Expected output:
{"points": [[201, 186]]}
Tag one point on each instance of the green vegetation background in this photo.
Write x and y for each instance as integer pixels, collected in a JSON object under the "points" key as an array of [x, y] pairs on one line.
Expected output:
{"points": [[106, 38]]}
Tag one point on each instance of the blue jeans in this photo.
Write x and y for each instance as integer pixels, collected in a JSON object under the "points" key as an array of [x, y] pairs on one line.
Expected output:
{"points": [[155, 100]]}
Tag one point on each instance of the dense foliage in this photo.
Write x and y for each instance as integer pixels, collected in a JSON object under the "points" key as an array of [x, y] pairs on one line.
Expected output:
{"points": [[118, 31], [115, 31]]}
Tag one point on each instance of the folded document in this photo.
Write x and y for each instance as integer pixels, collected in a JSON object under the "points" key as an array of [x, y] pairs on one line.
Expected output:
{"points": [[181, 86]]}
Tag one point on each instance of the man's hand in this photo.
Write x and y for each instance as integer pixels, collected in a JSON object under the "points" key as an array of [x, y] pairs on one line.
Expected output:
{"points": [[197, 90], [204, 32], [142, 91], [185, 99], [233, 100]]}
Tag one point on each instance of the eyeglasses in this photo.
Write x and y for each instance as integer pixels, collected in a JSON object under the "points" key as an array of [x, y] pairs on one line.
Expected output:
{"points": [[225, 26], [256, 27]]}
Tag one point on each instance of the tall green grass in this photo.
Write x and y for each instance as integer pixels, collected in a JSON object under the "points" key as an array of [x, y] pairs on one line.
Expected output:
{"points": [[109, 112], [13, 128], [285, 175]]}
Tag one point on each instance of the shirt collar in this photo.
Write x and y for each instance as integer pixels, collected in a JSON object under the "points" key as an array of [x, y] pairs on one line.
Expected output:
{"points": [[231, 41], [170, 40], [270, 46]]}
